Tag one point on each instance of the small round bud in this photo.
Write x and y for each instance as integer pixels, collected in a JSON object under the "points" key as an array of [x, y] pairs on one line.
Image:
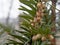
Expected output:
{"points": [[37, 14], [43, 6], [39, 4], [38, 19], [38, 36], [42, 14], [34, 38], [32, 24], [31, 20], [51, 37], [43, 10], [40, 11], [43, 38]]}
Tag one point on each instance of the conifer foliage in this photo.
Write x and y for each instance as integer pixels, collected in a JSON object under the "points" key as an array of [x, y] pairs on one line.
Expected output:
{"points": [[36, 24]]}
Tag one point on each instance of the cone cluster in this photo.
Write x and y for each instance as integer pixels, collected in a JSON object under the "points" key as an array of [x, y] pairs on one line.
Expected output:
{"points": [[37, 19], [43, 38], [39, 13]]}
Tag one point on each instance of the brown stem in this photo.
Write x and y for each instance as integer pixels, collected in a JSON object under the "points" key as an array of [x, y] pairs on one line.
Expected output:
{"points": [[53, 20]]}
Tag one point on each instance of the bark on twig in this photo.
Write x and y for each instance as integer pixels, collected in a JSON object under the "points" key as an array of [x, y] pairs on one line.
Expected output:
{"points": [[53, 20]]}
